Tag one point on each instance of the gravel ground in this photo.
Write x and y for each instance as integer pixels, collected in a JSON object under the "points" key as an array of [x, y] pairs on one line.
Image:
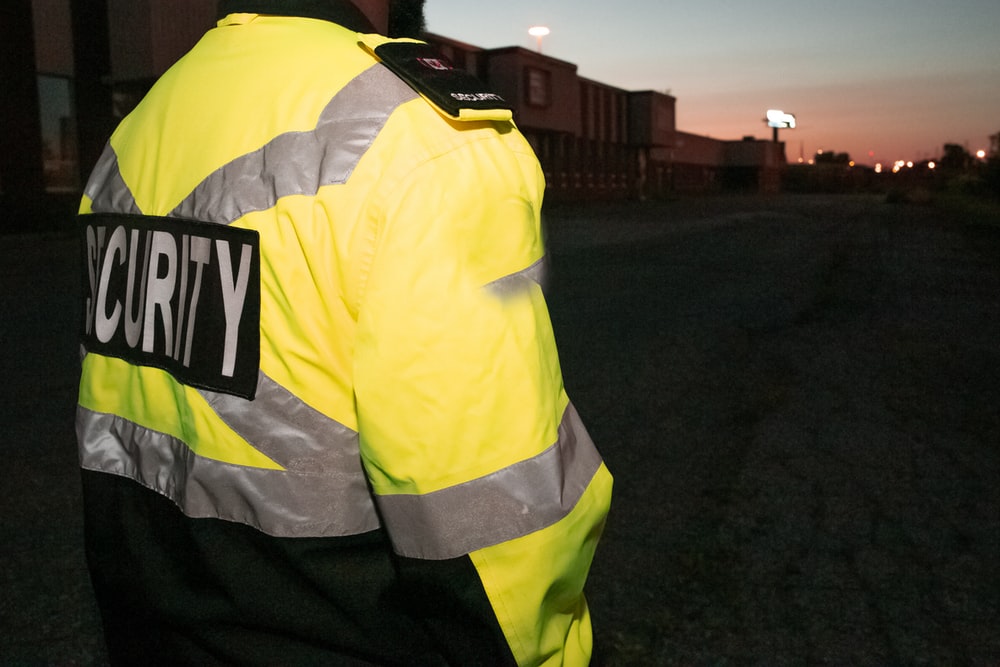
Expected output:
{"points": [[797, 396]]}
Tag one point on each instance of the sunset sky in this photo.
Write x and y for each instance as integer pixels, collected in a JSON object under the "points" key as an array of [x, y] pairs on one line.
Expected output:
{"points": [[882, 80]]}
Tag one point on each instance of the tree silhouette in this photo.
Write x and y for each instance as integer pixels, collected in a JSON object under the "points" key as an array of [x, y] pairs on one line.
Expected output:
{"points": [[955, 158], [831, 157]]}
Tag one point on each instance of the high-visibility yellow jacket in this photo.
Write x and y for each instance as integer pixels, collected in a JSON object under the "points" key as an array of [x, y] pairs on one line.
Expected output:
{"points": [[312, 311]]}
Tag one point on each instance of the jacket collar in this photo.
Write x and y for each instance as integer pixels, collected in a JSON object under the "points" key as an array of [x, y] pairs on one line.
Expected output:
{"points": [[341, 12]]}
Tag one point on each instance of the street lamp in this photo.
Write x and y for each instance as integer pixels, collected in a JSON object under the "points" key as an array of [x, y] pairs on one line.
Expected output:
{"points": [[538, 32]]}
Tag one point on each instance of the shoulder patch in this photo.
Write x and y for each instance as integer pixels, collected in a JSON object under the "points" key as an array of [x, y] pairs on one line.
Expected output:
{"points": [[454, 91]]}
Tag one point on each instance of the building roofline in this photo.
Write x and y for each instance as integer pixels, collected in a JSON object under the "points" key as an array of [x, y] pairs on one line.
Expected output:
{"points": [[441, 39], [650, 91], [503, 50]]}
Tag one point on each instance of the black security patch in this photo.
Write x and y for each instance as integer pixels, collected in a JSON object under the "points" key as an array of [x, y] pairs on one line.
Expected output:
{"points": [[434, 77], [179, 295]]}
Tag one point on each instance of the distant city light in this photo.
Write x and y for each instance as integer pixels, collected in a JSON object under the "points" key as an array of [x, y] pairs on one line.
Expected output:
{"points": [[932, 165], [981, 154], [878, 168]]}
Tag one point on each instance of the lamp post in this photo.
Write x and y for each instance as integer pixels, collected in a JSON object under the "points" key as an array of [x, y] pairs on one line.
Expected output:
{"points": [[538, 32]]}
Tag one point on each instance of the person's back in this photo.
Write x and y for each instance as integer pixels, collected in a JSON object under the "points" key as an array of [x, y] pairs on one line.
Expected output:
{"points": [[312, 326]]}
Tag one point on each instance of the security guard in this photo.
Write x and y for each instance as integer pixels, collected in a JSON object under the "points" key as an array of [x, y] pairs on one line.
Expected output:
{"points": [[321, 416]]}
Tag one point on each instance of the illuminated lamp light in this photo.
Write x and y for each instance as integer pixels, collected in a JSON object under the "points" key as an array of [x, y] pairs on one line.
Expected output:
{"points": [[538, 32]]}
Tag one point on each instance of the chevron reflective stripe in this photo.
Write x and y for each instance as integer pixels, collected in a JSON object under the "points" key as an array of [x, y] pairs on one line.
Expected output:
{"points": [[519, 282], [329, 501], [505, 505], [293, 163], [299, 163], [107, 189], [291, 433]]}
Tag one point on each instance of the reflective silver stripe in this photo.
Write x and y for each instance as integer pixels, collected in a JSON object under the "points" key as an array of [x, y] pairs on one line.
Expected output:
{"points": [[505, 505], [302, 162], [282, 503], [291, 433], [291, 163], [106, 188], [520, 281]]}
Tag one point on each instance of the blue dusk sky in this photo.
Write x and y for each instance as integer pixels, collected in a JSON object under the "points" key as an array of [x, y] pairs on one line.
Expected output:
{"points": [[883, 80]]}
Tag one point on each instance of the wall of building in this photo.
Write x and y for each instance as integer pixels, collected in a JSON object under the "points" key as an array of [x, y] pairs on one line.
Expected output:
{"points": [[131, 49], [462, 56], [753, 165], [53, 27], [652, 119], [544, 90], [72, 68], [21, 176], [598, 141], [175, 26], [151, 35]]}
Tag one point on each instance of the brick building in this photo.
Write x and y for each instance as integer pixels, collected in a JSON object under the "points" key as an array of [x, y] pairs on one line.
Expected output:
{"points": [[596, 140], [73, 68]]}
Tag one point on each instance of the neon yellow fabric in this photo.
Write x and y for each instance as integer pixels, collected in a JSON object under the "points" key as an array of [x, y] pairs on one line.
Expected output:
{"points": [[376, 304], [158, 402], [535, 583], [471, 379]]}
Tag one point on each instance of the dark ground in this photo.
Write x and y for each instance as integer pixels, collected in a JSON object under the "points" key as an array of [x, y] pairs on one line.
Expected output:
{"points": [[799, 398]]}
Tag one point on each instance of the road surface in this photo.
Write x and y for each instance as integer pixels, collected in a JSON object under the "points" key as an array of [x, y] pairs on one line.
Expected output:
{"points": [[798, 397]]}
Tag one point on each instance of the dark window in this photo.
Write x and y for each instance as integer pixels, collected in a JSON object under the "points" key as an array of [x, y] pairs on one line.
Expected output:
{"points": [[59, 142], [539, 87]]}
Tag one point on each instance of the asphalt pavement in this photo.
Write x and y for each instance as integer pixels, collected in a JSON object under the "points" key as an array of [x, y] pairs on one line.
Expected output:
{"points": [[798, 397]]}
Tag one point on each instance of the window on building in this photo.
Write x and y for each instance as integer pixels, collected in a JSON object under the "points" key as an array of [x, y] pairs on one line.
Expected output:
{"points": [[60, 156], [539, 87]]}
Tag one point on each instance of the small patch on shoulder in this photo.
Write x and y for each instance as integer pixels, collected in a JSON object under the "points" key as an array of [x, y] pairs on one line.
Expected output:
{"points": [[456, 92]]}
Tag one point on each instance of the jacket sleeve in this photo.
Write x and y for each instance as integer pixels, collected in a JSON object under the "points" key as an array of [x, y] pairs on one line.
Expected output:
{"points": [[474, 452]]}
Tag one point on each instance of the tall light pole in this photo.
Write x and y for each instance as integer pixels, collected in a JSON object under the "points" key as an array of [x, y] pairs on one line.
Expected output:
{"points": [[538, 32]]}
